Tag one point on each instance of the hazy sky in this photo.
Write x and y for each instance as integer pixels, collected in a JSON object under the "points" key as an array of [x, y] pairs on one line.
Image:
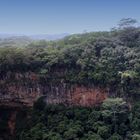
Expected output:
{"points": [[64, 16]]}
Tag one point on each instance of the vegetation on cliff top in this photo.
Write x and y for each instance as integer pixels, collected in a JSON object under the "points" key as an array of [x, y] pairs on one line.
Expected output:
{"points": [[105, 59]]}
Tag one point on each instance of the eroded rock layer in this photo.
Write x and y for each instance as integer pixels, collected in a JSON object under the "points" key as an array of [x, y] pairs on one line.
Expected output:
{"points": [[24, 89]]}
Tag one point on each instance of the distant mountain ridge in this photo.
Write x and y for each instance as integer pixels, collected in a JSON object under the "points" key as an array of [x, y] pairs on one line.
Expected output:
{"points": [[20, 40], [48, 36], [35, 37], [11, 41]]}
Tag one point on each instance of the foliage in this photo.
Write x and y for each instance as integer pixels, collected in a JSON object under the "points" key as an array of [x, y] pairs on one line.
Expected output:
{"points": [[58, 122], [107, 59], [110, 60]]}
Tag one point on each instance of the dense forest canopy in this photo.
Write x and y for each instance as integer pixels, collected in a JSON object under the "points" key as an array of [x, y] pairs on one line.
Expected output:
{"points": [[109, 59], [111, 121]]}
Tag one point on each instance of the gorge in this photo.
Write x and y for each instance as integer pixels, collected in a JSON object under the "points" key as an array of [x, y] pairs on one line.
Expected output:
{"points": [[95, 72]]}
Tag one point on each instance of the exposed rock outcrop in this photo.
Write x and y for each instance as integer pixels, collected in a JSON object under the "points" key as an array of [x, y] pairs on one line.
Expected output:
{"points": [[19, 90], [24, 89]]}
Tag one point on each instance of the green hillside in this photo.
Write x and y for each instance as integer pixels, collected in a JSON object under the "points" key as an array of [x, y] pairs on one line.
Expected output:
{"points": [[109, 60]]}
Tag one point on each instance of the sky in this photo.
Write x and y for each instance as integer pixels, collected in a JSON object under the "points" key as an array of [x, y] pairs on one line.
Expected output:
{"points": [[64, 16]]}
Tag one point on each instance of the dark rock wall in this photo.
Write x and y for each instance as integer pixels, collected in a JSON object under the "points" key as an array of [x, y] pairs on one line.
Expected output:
{"points": [[25, 88]]}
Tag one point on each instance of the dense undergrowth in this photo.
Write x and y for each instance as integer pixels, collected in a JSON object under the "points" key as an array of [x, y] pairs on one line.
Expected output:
{"points": [[112, 121]]}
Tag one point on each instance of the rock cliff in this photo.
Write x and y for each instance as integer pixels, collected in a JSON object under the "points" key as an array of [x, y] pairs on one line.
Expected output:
{"points": [[24, 89], [19, 90]]}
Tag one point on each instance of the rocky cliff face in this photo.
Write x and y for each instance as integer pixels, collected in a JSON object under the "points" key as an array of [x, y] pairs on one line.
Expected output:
{"points": [[24, 89], [10, 118], [76, 95], [19, 90]]}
